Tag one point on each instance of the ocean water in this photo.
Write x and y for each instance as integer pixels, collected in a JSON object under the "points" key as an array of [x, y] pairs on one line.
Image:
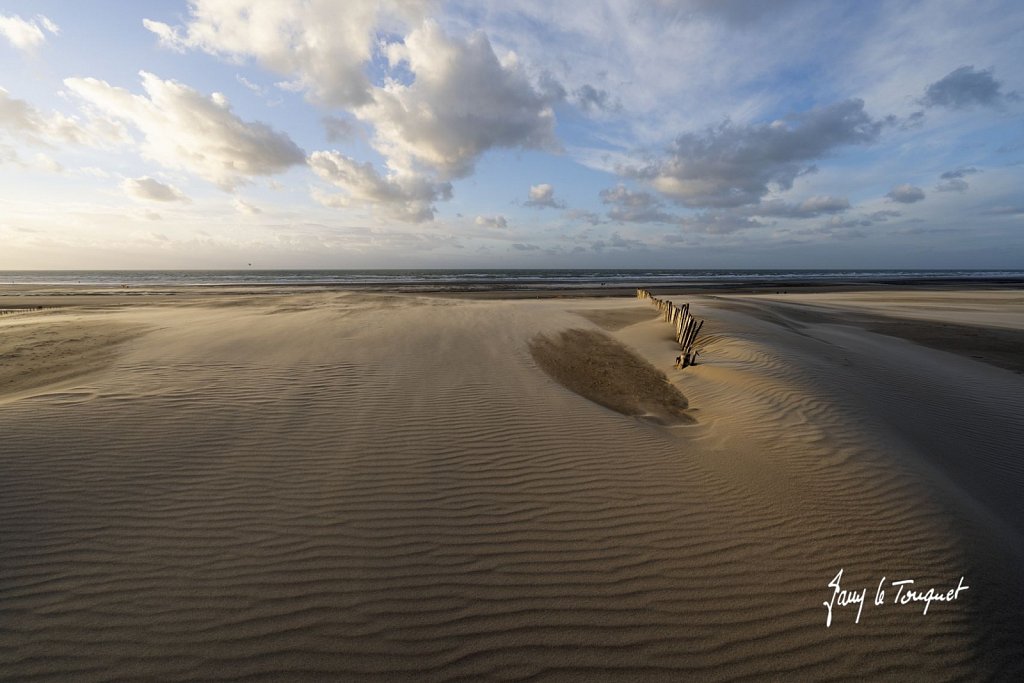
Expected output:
{"points": [[481, 278]]}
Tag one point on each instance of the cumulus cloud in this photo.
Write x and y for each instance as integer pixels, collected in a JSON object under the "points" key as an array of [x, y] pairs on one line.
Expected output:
{"points": [[735, 165], [629, 206], [884, 215], [33, 126], [26, 34], [151, 189], [444, 100], [642, 207], [20, 116], [463, 102], [542, 196], [905, 194], [491, 221], [809, 208], [321, 44], [965, 87], [407, 197], [719, 222], [184, 129], [954, 181]]}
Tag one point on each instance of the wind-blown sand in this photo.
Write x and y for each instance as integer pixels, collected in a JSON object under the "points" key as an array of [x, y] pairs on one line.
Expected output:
{"points": [[358, 486]]}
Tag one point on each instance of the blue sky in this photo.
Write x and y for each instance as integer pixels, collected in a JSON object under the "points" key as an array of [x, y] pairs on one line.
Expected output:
{"points": [[661, 133]]}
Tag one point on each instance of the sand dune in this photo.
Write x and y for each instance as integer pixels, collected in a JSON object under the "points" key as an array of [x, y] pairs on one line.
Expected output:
{"points": [[379, 487]]}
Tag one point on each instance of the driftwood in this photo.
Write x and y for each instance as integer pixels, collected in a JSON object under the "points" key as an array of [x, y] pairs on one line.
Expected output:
{"points": [[685, 326]]}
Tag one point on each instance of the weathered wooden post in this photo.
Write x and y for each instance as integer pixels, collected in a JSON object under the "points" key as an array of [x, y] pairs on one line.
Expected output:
{"points": [[685, 326]]}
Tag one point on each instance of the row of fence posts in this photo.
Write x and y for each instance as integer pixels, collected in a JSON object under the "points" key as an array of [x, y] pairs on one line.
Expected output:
{"points": [[685, 325], [22, 309]]}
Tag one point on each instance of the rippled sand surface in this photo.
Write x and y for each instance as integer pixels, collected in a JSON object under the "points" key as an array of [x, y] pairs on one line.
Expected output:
{"points": [[349, 486]]}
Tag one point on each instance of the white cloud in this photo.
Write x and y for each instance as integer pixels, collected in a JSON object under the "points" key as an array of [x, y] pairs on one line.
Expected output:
{"points": [[407, 197], [254, 87], [26, 34], [151, 189], [49, 25], [38, 161], [30, 125], [444, 101], [184, 129], [491, 221], [634, 207], [321, 44], [542, 196], [463, 102], [242, 206]]}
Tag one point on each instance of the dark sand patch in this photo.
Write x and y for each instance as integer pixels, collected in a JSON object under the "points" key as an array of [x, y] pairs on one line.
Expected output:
{"points": [[618, 318], [604, 371]]}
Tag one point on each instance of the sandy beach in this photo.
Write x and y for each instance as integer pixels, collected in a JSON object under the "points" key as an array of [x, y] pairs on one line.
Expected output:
{"points": [[341, 485]]}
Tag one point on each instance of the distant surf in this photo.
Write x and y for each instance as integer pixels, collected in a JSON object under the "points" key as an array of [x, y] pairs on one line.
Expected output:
{"points": [[555, 278]]}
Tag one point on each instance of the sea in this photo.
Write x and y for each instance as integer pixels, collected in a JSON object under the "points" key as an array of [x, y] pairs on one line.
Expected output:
{"points": [[487, 279]]}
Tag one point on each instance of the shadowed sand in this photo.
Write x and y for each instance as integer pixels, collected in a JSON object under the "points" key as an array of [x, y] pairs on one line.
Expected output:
{"points": [[343, 486]]}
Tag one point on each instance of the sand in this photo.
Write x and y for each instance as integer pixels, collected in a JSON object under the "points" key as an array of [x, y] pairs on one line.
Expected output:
{"points": [[354, 486]]}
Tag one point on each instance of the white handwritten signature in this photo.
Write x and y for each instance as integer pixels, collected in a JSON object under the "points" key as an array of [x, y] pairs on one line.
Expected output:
{"points": [[842, 597]]}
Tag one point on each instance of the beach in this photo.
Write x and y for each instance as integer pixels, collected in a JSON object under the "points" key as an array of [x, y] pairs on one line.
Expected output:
{"points": [[331, 484]]}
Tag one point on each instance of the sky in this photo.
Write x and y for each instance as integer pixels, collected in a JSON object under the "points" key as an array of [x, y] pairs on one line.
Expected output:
{"points": [[513, 134]]}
